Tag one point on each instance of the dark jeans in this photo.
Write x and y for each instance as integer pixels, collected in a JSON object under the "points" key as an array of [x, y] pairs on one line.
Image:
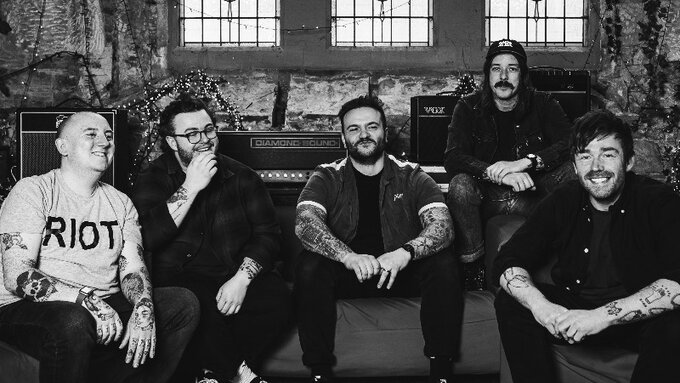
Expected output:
{"points": [[222, 342], [319, 281], [62, 336], [527, 344], [472, 202]]}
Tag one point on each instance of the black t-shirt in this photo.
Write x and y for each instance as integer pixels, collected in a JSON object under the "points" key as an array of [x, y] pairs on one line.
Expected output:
{"points": [[507, 140], [602, 284], [368, 239]]}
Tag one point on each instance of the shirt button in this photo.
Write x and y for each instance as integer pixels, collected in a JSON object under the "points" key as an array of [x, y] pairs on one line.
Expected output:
{"points": [[588, 219], [623, 211], [578, 281], [188, 255], [567, 288], [586, 250]]}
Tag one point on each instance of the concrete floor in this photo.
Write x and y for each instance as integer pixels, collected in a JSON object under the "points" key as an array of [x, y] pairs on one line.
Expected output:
{"points": [[459, 379]]}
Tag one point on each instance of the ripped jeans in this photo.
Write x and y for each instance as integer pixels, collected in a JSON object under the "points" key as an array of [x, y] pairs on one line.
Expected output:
{"points": [[472, 202]]}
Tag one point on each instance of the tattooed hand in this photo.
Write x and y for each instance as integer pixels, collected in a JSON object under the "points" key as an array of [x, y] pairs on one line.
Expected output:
{"points": [[109, 325], [574, 325], [140, 337]]}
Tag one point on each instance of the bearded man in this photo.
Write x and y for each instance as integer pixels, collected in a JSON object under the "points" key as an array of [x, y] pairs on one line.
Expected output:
{"points": [[374, 226], [211, 227], [617, 272]]}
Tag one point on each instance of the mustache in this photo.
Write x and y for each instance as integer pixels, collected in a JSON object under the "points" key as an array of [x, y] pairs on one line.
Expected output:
{"points": [[599, 174], [503, 84], [361, 141]]}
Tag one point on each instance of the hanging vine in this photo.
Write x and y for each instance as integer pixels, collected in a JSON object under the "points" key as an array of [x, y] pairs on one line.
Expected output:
{"points": [[613, 28]]}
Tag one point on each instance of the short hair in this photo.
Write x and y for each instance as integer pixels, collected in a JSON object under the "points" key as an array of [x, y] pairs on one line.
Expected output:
{"points": [[64, 122], [185, 103], [598, 124], [367, 101]]}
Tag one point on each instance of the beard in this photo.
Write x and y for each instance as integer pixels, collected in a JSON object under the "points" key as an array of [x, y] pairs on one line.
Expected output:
{"points": [[186, 155], [366, 157], [606, 192]]}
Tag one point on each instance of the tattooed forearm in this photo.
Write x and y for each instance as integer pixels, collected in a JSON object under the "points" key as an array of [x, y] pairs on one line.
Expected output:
{"points": [[177, 200], [655, 299], [612, 308], [515, 279], [96, 306], [250, 267], [311, 228], [437, 232], [10, 240], [144, 315], [631, 316], [122, 264], [132, 286], [35, 286]]}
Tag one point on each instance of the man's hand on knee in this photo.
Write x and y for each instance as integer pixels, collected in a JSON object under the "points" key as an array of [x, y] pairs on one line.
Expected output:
{"points": [[109, 325], [574, 325], [365, 266]]}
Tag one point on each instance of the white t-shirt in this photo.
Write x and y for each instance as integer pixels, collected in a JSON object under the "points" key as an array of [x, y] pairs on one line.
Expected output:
{"points": [[82, 237]]}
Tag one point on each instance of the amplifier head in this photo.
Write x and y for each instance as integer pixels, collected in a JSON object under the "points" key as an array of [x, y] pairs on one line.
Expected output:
{"points": [[430, 119], [282, 150]]}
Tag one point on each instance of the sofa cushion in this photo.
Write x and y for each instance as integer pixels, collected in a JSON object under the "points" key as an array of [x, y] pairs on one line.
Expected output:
{"points": [[383, 337]]}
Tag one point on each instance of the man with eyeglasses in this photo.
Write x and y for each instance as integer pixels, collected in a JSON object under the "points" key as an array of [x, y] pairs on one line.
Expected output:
{"points": [[211, 227]]}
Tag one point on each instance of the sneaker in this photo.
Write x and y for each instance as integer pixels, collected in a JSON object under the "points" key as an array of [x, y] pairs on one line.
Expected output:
{"points": [[207, 376], [321, 379], [246, 375]]}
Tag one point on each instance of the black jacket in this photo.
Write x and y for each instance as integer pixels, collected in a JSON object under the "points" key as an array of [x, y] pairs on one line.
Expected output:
{"points": [[543, 129], [645, 226]]}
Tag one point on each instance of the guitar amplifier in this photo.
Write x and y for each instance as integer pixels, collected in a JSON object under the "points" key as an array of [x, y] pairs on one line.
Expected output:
{"points": [[570, 88], [282, 157], [37, 130], [430, 118]]}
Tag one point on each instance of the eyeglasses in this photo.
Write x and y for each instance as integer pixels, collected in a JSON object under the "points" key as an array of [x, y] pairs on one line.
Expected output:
{"points": [[195, 136]]}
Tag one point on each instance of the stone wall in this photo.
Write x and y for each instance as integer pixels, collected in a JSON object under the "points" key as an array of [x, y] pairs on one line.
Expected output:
{"points": [[310, 80]]}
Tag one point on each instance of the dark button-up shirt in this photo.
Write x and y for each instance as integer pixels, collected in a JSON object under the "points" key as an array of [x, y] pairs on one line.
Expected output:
{"points": [[405, 192], [234, 214], [645, 224]]}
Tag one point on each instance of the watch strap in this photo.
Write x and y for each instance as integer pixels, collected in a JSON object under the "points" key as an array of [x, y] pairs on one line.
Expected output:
{"points": [[83, 293], [410, 250]]}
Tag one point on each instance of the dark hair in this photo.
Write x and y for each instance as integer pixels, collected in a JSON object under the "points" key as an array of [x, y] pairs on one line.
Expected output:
{"points": [[598, 124], [183, 104], [361, 102], [487, 99]]}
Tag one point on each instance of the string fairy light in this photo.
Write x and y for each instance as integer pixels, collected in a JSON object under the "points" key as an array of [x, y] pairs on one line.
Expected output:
{"points": [[195, 83]]}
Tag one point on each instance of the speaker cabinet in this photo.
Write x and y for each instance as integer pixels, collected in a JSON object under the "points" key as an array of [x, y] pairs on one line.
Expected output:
{"points": [[37, 130], [430, 118], [570, 88]]}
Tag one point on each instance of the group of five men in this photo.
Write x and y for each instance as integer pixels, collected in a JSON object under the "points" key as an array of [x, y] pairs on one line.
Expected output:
{"points": [[76, 293]]}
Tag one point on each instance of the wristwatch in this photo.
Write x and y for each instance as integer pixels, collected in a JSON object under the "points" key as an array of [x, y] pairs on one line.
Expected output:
{"points": [[534, 162], [84, 292], [410, 250]]}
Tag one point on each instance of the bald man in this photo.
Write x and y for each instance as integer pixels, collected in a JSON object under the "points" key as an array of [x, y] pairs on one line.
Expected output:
{"points": [[75, 293]]}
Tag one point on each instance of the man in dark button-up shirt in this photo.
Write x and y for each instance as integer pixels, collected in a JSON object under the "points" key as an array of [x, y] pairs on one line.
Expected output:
{"points": [[618, 263], [211, 226], [507, 147]]}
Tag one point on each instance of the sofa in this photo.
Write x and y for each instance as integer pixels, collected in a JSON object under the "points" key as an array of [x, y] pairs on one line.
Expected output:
{"points": [[381, 337], [377, 337]]}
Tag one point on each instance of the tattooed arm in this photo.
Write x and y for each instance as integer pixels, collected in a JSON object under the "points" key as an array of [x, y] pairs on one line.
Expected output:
{"points": [[518, 284], [21, 277], [200, 171], [659, 297], [232, 293], [437, 233], [316, 236], [140, 335]]}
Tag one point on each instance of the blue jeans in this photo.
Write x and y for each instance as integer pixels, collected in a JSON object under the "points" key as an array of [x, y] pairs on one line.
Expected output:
{"points": [[63, 337], [472, 202]]}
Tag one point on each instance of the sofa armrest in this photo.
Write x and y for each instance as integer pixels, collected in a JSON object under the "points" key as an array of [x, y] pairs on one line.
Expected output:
{"points": [[499, 229]]}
